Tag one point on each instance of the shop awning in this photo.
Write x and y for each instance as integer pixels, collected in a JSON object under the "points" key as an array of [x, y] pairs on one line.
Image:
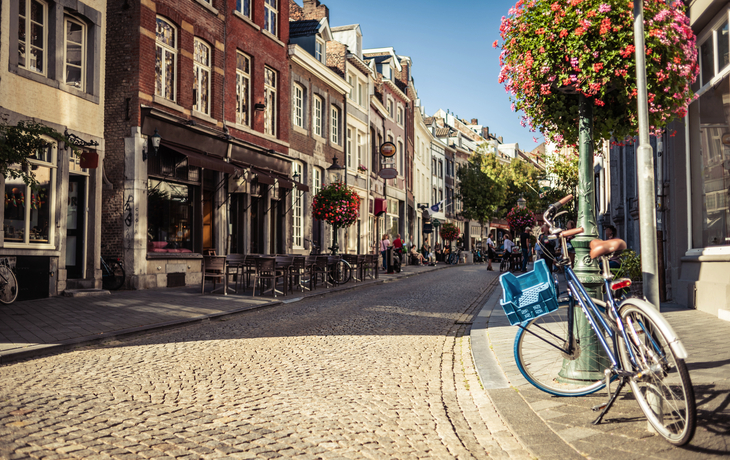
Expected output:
{"points": [[264, 177], [201, 160], [301, 187], [285, 183]]}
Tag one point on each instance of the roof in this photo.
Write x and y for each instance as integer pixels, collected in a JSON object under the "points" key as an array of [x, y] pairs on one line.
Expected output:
{"points": [[442, 132], [303, 28]]}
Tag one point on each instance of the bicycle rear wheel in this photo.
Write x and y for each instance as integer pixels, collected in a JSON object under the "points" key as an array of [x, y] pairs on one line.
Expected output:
{"points": [[112, 276], [550, 363], [8, 285], [662, 387]]}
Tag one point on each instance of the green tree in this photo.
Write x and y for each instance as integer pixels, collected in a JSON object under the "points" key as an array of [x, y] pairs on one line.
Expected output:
{"points": [[482, 187], [19, 143], [522, 181], [562, 170]]}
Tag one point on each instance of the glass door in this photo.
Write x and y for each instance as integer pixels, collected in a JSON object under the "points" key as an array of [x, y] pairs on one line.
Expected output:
{"points": [[75, 226]]}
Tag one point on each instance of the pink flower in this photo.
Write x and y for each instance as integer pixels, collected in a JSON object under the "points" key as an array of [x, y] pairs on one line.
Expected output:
{"points": [[494, 45], [605, 8]]}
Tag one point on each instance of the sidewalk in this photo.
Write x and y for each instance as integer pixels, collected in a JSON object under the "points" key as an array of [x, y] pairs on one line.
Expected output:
{"points": [[560, 428], [36, 327]]}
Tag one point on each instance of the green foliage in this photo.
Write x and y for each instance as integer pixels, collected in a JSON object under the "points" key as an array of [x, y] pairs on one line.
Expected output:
{"points": [[482, 186], [19, 143], [522, 181], [630, 266], [562, 168]]}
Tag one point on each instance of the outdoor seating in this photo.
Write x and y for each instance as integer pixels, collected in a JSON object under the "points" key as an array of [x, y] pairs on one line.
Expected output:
{"points": [[266, 271], [214, 269], [299, 274], [356, 266], [370, 266], [236, 267], [322, 269]]}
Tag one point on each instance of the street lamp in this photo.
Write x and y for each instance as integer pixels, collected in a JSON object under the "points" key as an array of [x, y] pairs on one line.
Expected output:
{"points": [[522, 202], [335, 171]]}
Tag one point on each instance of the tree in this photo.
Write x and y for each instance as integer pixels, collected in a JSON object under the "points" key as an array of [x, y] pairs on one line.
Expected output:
{"points": [[19, 143], [522, 181], [482, 187], [562, 169]]}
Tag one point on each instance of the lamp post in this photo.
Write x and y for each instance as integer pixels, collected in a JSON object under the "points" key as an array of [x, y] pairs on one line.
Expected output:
{"points": [[335, 175], [522, 202]]}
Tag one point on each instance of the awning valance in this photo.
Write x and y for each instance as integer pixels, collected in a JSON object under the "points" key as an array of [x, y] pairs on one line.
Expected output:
{"points": [[201, 160]]}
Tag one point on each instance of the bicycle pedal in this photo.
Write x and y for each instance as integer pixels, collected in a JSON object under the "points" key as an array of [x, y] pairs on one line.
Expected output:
{"points": [[599, 407]]}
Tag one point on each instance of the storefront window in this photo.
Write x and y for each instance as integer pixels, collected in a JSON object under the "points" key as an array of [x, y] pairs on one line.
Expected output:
{"points": [[170, 215], [29, 210], [714, 165]]}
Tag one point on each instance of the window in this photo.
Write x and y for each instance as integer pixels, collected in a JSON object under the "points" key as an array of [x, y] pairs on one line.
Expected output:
{"points": [[401, 163], [319, 51], [244, 7], [30, 212], [270, 98], [32, 35], [298, 105], [316, 181], [271, 15], [170, 213], [360, 147], [360, 93], [166, 59], [243, 89], [390, 108], [349, 148], [74, 62], [201, 81], [715, 51], [351, 81], [400, 116], [317, 118], [298, 207], [441, 168], [335, 137]]}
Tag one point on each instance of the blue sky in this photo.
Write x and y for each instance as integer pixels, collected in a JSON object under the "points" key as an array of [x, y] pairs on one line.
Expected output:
{"points": [[454, 65]]}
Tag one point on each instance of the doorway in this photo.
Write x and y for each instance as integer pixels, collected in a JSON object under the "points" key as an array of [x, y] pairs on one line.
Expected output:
{"points": [[75, 226]]}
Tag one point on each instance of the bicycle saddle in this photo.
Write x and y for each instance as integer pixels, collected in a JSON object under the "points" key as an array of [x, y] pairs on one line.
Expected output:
{"points": [[602, 247]]}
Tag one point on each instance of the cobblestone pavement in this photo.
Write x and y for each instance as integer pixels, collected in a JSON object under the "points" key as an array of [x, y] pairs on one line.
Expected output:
{"points": [[381, 372]]}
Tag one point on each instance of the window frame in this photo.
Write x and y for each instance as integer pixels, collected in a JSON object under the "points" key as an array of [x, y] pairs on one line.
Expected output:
{"points": [[298, 210], [317, 118], [335, 124], [84, 44], [348, 148], [25, 65], [241, 5], [242, 75], [320, 48], [316, 180], [271, 98], [271, 17], [205, 68], [298, 105], [164, 67], [52, 165]]}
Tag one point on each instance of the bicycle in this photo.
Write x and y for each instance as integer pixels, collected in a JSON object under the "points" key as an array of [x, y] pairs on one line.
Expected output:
{"points": [[559, 351], [506, 263], [8, 282], [112, 274], [454, 257]]}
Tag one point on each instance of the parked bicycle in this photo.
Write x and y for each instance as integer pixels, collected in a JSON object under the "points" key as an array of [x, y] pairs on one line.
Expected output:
{"points": [[566, 353], [112, 274], [8, 282], [454, 256]]}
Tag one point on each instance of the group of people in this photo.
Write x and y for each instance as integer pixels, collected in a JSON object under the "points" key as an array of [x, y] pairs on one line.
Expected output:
{"points": [[424, 257]]}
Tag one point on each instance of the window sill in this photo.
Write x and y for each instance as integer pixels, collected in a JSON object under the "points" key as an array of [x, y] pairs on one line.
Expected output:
{"points": [[167, 103], [246, 19], [207, 6], [204, 117], [300, 130], [273, 37], [173, 255]]}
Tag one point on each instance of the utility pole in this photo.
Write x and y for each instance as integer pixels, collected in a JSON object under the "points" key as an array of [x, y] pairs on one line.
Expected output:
{"points": [[645, 169]]}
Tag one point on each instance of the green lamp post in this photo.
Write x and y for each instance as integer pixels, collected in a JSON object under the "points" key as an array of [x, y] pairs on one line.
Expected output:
{"points": [[335, 172]]}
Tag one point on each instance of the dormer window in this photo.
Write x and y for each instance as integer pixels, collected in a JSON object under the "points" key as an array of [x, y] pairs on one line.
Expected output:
{"points": [[319, 51]]}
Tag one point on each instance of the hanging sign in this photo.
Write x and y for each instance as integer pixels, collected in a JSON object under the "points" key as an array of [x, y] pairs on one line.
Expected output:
{"points": [[387, 149], [388, 173]]}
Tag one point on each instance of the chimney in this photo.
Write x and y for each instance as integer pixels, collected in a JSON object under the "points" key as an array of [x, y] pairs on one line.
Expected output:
{"points": [[485, 132], [314, 10], [474, 121], [500, 140]]}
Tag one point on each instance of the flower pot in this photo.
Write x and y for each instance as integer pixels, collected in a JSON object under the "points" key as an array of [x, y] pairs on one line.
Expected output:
{"points": [[89, 160]]}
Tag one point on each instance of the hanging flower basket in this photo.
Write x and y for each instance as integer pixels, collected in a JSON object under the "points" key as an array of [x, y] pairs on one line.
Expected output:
{"points": [[336, 204], [553, 51], [89, 159], [449, 231], [519, 218]]}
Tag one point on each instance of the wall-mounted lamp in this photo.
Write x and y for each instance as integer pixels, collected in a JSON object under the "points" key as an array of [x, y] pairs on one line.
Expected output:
{"points": [[296, 176], [155, 140], [259, 107]]}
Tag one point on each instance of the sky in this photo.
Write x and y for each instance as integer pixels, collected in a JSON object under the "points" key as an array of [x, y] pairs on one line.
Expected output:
{"points": [[455, 67]]}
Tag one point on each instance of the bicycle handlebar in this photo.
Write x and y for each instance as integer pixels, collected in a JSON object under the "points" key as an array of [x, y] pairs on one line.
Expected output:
{"points": [[559, 204]]}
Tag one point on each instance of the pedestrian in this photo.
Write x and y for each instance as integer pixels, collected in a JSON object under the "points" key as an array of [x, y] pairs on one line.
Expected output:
{"points": [[384, 245], [437, 252], [571, 250], [525, 245], [490, 251], [547, 246], [398, 247], [508, 247]]}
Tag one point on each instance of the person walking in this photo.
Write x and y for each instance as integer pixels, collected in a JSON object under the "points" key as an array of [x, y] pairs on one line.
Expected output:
{"points": [[384, 245], [525, 245], [398, 248], [508, 249], [548, 247], [490, 251]]}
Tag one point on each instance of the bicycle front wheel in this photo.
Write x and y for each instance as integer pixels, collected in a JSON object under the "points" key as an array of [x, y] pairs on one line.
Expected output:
{"points": [[8, 285], [112, 275], [661, 385], [341, 272], [557, 363]]}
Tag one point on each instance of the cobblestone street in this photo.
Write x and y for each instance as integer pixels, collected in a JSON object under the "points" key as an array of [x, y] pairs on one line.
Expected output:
{"points": [[383, 371]]}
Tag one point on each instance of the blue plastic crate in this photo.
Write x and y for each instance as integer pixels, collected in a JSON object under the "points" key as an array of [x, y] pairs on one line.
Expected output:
{"points": [[529, 295]]}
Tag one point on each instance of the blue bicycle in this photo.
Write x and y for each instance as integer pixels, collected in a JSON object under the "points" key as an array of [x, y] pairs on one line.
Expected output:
{"points": [[582, 345]]}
